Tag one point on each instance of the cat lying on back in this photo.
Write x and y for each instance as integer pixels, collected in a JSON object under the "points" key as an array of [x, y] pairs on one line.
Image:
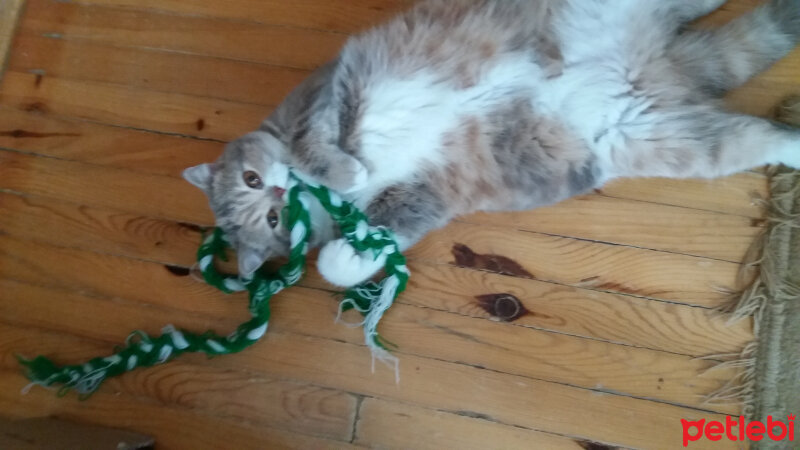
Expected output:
{"points": [[466, 105]]}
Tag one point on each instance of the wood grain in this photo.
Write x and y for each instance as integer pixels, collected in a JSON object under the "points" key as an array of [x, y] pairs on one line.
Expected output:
{"points": [[350, 16], [425, 381], [114, 276], [586, 363], [124, 148], [235, 395], [393, 425], [10, 11], [431, 383], [167, 72], [108, 100], [100, 229], [253, 83], [644, 225], [633, 271], [738, 194], [679, 230], [505, 398], [244, 41], [626, 319], [113, 188], [169, 155], [581, 312], [577, 262], [143, 109], [173, 428], [566, 261]]}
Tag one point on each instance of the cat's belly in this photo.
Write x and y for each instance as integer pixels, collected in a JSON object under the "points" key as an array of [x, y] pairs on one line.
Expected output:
{"points": [[407, 121], [614, 73], [612, 101]]}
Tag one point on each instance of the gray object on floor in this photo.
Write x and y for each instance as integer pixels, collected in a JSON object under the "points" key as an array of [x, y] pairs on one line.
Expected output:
{"points": [[48, 434]]}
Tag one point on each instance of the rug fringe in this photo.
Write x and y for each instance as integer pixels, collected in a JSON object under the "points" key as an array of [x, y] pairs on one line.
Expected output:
{"points": [[758, 280]]}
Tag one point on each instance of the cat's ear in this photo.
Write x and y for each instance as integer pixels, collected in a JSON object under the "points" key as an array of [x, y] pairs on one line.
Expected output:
{"points": [[249, 261], [200, 176]]}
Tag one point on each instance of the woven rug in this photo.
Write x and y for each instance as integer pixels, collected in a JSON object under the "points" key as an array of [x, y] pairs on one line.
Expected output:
{"points": [[769, 383]]}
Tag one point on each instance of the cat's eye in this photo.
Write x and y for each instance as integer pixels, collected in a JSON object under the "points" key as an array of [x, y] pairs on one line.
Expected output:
{"points": [[252, 180], [272, 218]]}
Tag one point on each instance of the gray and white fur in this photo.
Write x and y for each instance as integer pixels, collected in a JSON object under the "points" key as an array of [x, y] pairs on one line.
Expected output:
{"points": [[466, 105]]}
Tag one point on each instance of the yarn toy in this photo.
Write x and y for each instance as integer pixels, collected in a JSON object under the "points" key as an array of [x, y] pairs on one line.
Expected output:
{"points": [[370, 299]]}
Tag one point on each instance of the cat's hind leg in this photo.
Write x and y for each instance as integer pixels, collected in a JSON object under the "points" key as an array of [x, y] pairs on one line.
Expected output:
{"points": [[721, 59], [697, 142]]}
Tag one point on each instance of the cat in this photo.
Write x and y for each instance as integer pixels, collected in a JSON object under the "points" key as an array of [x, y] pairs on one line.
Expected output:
{"points": [[459, 106]]}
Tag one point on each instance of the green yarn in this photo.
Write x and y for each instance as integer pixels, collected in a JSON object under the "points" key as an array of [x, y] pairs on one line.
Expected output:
{"points": [[370, 299]]}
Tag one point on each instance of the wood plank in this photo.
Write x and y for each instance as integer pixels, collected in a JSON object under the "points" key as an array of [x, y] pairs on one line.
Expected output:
{"points": [[506, 399], [292, 406], [634, 271], [731, 195], [581, 312], [169, 155], [103, 145], [646, 225], [114, 188], [547, 356], [427, 382], [640, 224], [194, 299], [168, 72], [173, 428], [566, 261], [245, 41], [757, 97], [344, 16], [551, 385], [606, 368], [10, 11], [143, 109], [604, 267], [115, 277], [104, 230], [628, 320], [391, 425]]}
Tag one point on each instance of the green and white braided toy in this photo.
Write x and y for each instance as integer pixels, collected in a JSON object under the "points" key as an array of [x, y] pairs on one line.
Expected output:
{"points": [[370, 299]]}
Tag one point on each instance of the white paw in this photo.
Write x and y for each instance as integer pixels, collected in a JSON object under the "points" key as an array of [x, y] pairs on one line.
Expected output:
{"points": [[341, 265]]}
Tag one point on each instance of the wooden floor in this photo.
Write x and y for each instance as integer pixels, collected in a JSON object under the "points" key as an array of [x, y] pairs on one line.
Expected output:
{"points": [[104, 102]]}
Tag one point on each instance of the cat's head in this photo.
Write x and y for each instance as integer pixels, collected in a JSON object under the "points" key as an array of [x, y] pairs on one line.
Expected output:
{"points": [[245, 190]]}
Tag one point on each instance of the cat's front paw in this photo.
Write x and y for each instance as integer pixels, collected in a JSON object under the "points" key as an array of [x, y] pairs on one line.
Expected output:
{"points": [[342, 265]]}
